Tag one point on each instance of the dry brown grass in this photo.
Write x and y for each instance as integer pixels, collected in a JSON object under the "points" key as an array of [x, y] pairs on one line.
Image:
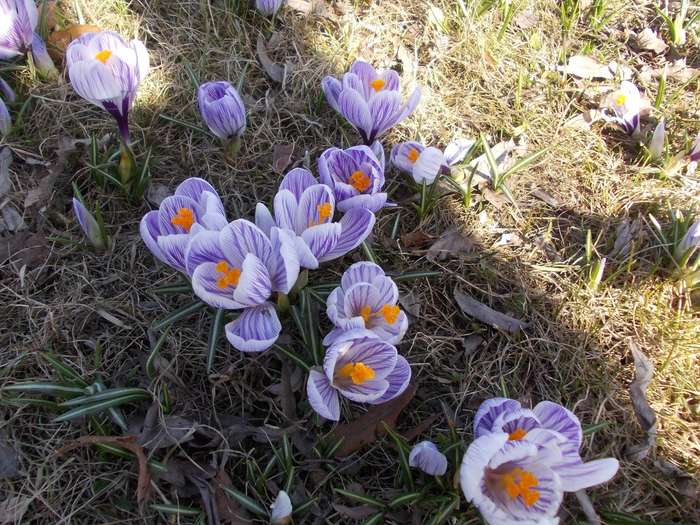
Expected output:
{"points": [[576, 350]]}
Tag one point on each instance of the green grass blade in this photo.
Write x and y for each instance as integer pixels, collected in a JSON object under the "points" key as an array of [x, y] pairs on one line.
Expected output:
{"points": [[173, 288], [445, 512], [155, 351], [178, 315], [97, 407], [409, 276], [493, 166], [41, 403], [377, 519], [302, 508], [107, 394], [362, 498], [176, 509], [402, 449], [292, 356], [185, 124], [64, 370], [405, 499], [246, 501], [523, 163], [217, 326], [44, 388]]}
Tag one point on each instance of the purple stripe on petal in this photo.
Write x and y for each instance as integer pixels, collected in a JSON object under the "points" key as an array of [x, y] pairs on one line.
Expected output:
{"points": [[387, 289], [149, 228], [384, 108], [323, 398], [356, 225], [205, 286], [398, 380], [284, 263], [345, 325], [355, 110], [359, 297], [254, 286], [400, 155], [296, 181], [170, 208], [316, 206], [194, 188], [376, 354], [426, 457], [263, 218], [473, 469], [584, 475], [203, 247], [373, 203], [367, 392], [391, 333], [556, 417], [255, 330], [242, 237], [88, 224], [173, 247], [361, 272], [428, 165], [285, 205], [332, 88], [489, 411], [411, 105], [306, 257]]}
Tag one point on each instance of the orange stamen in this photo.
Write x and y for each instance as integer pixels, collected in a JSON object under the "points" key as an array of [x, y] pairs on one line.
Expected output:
{"points": [[519, 482], [360, 180], [103, 55], [184, 218], [378, 84], [413, 155], [357, 372], [517, 434], [366, 313], [229, 276], [390, 313]]}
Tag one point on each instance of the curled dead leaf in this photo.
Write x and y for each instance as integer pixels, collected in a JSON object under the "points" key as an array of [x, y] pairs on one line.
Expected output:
{"points": [[486, 314], [643, 372], [273, 70], [58, 41], [583, 66], [451, 244], [648, 40], [282, 157]]}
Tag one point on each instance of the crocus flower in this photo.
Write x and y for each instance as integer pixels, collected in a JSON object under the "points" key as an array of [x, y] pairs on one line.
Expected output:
{"points": [[238, 268], [422, 163], [426, 457], [107, 71], [522, 461], [42, 61], [656, 144], [356, 176], [5, 119], [695, 150], [366, 298], [268, 7], [626, 103], [360, 367], [281, 509], [306, 208], [18, 21], [371, 101], [222, 109], [89, 225], [194, 207]]}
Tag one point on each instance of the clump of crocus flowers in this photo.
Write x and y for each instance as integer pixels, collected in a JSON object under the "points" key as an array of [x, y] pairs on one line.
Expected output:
{"points": [[18, 36]]}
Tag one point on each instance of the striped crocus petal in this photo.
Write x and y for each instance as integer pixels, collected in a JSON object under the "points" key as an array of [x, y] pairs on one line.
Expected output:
{"points": [[627, 104], [457, 149], [426, 457], [428, 165], [88, 224], [19, 19], [559, 419], [323, 397], [405, 154], [490, 411], [268, 7], [580, 475], [255, 330], [695, 150], [331, 88], [222, 109], [5, 119], [398, 380], [356, 225], [691, 239], [7, 91]]}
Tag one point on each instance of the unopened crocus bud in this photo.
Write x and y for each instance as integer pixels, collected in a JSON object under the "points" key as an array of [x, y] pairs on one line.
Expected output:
{"points": [[656, 145], [281, 509], [690, 240], [268, 7], [426, 457], [222, 109], [6, 91], [5, 119], [42, 61], [89, 225]]}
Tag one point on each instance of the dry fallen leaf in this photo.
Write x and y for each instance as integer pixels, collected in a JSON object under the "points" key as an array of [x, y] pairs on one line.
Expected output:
{"points": [[127, 442], [11, 220], [369, 427], [486, 314], [229, 510], [58, 40], [643, 372], [166, 431], [451, 244], [648, 40], [273, 70], [360, 512], [282, 157], [583, 66], [415, 239], [526, 19], [410, 304], [24, 248], [677, 70], [546, 198], [627, 231], [157, 193], [585, 119]]}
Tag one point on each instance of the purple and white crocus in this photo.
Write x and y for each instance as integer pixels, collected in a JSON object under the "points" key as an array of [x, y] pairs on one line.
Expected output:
{"points": [[626, 104], [195, 206], [5, 119], [239, 268], [306, 208], [366, 298], [425, 163], [106, 70], [694, 156], [370, 100], [522, 461], [356, 176], [268, 7], [426, 457], [360, 367], [91, 228], [18, 21], [222, 109]]}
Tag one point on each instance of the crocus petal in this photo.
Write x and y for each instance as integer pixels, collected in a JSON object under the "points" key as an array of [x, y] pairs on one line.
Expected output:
{"points": [[428, 165], [398, 380], [400, 155], [367, 392], [556, 417], [255, 330], [376, 354], [205, 286], [95, 82], [426, 457], [365, 74], [203, 247], [5, 119], [297, 180], [7, 91], [323, 398], [361, 272], [331, 88], [489, 411], [285, 205], [284, 264], [88, 224], [313, 201], [356, 225], [42, 61], [254, 286], [378, 151], [391, 333], [354, 108], [373, 203], [384, 108], [583, 475], [695, 150], [411, 105], [263, 218], [387, 289], [473, 468], [242, 237], [195, 188], [268, 8], [281, 508], [656, 145], [322, 239], [457, 150], [306, 257], [360, 296], [345, 324], [149, 229], [222, 109], [173, 247]]}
